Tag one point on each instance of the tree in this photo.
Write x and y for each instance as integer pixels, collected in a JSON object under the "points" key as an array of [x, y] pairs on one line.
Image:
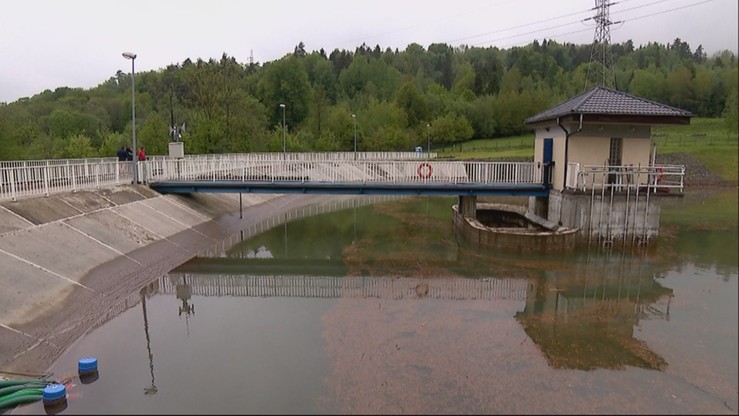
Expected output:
{"points": [[79, 146], [731, 109], [285, 82], [679, 87], [409, 98], [648, 83], [438, 64], [299, 51], [451, 128]]}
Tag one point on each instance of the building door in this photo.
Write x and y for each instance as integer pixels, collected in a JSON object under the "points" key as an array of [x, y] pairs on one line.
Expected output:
{"points": [[614, 159], [547, 160]]}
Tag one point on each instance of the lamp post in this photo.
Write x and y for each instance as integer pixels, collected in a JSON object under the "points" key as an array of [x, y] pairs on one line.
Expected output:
{"points": [[428, 141], [354, 116], [132, 57], [283, 131]]}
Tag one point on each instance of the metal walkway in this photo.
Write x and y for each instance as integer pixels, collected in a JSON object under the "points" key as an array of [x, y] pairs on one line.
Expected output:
{"points": [[347, 177], [349, 188]]}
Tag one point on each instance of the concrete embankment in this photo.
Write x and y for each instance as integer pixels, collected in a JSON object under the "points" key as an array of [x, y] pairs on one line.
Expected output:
{"points": [[66, 260]]}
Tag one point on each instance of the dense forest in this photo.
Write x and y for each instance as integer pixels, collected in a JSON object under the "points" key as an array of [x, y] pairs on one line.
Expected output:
{"points": [[395, 100]]}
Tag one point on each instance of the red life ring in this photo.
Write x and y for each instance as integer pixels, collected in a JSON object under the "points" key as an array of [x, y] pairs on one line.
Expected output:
{"points": [[424, 170]]}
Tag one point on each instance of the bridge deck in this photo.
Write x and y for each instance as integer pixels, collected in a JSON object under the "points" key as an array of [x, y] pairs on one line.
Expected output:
{"points": [[350, 188]]}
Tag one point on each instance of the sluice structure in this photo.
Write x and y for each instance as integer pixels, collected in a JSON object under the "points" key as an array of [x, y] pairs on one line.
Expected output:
{"points": [[596, 149]]}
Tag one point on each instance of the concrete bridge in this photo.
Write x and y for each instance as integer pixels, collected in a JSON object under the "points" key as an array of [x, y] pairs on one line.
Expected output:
{"points": [[386, 173]]}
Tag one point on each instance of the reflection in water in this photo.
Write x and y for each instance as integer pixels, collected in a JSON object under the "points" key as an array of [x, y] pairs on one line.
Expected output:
{"points": [[582, 317], [148, 291], [304, 286], [184, 292], [585, 318], [381, 310]]}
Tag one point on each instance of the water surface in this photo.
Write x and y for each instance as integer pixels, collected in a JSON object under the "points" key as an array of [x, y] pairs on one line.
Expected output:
{"points": [[382, 309]]}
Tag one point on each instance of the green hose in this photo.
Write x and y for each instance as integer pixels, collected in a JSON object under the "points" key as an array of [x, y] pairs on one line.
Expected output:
{"points": [[30, 398], [12, 389], [16, 381], [20, 393]]}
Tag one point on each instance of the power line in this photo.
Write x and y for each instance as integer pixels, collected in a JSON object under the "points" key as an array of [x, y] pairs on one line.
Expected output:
{"points": [[622, 22], [528, 33], [545, 29], [521, 26]]}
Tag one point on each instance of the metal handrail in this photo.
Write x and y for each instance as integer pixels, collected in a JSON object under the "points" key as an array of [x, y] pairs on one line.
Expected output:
{"points": [[44, 179], [655, 178]]}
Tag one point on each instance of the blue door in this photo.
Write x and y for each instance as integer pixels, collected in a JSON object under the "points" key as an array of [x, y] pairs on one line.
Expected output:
{"points": [[547, 161]]}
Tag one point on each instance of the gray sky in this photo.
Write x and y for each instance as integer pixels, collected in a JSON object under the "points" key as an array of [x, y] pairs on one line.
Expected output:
{"points": [[47, 44]]}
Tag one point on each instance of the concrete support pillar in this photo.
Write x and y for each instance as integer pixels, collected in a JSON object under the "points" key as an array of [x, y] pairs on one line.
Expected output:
{"points": [[468, 206], [541, 207]]}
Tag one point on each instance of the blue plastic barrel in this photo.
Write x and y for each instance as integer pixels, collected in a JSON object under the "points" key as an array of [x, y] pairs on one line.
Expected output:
{"points": [[54, 394], [87, 365]]}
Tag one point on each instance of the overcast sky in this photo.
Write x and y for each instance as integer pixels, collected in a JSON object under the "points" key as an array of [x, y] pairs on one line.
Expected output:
{"points": [[47, 44]]}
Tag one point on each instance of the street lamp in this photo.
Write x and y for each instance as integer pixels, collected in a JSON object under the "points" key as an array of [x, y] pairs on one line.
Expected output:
{"points": [[354, 116], [428, 141], [132, 57], [283, 130]]}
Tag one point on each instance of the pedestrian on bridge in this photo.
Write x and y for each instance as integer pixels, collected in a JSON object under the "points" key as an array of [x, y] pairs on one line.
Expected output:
{"points": [[122, 156]]}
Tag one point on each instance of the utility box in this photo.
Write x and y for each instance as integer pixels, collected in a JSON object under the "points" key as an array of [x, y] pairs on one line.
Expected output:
{"points": [[177, 149]]}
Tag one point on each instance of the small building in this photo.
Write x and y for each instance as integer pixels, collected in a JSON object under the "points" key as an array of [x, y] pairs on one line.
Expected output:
{"points": [[596, 151]]}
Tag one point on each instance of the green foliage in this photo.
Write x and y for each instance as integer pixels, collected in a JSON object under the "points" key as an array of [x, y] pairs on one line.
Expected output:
{"points": [[731, 112], [451, 128], [463, 93], [285, 82], [79, 146], [111, 143], [410, 99]]}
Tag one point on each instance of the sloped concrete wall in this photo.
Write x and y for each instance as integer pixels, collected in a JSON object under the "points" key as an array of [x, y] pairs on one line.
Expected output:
{"points": [[48, 245]]}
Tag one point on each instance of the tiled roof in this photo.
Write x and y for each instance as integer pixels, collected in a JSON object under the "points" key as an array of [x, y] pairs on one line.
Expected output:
{"points": [[602, 100]]}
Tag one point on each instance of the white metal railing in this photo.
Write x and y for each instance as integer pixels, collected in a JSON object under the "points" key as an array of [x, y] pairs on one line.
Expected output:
{"points": [[343, 171], [20, 179], [36, 179], [653, 178]]}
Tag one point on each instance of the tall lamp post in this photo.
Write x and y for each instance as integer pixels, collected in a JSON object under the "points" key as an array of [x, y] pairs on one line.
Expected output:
{"points": [[354, 116], [428, 141], [132, 57], [283, 131]]}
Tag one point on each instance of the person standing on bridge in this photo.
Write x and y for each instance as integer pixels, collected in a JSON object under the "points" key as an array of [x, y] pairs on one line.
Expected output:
{"points": [[122, 156], [141, 156]]}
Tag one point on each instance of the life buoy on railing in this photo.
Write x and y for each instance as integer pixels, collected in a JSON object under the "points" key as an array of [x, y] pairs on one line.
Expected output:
{"points": [[424, 170]]}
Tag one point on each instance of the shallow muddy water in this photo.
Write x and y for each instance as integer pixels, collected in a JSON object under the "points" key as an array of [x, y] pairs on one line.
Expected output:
{"points": [[381, 309]]}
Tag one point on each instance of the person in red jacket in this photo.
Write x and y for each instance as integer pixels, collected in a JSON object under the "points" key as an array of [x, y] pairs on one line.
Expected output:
{"points": [[141, 154]]}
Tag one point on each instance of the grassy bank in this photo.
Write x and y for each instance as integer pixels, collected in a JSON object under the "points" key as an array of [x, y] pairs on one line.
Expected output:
{"points": [[703, 210], [707, 140]]}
